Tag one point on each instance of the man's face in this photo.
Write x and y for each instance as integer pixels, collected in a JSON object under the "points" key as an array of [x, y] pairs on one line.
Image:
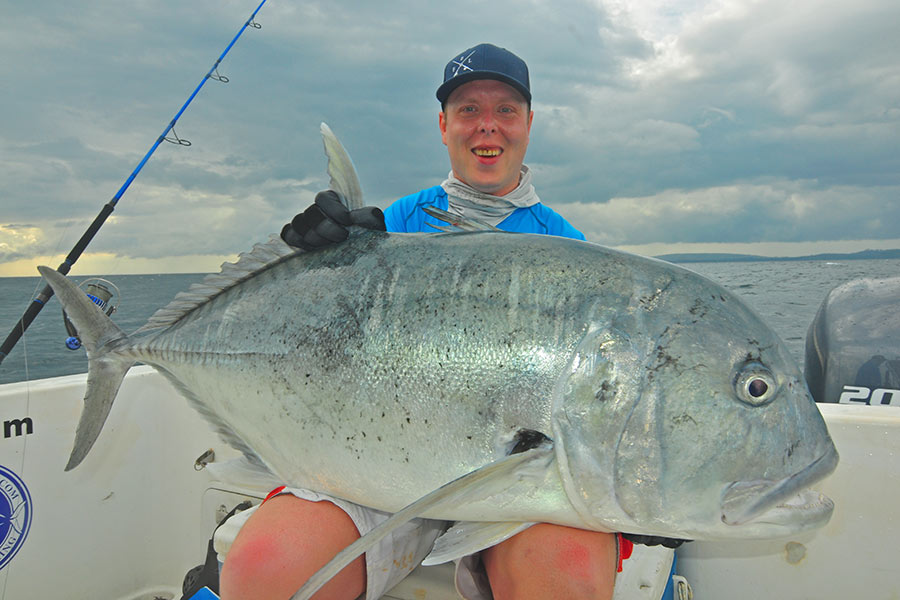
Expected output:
{"points": [[485, 126]]}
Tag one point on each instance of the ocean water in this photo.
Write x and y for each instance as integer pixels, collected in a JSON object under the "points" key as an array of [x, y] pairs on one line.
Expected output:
{"points": [[42, 351], [786, 295]]}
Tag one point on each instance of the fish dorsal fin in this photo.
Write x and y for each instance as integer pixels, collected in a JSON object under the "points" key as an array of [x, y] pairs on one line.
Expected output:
{"points": [[248, 264], [341, 170], [457, 223], [343, 180], [471, 483]]}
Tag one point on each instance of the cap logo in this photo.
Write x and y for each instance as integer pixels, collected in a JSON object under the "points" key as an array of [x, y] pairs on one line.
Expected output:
{"points": [[461, 64]]}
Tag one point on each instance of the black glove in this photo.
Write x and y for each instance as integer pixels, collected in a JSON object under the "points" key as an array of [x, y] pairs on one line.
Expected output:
{"points": [[328, 221], [652, 540]]}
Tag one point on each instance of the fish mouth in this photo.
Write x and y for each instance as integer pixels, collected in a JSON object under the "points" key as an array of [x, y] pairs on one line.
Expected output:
{"points": [[783, 502]]}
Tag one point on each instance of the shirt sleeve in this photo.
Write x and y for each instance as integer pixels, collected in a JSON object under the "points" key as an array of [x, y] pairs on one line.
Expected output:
{"points": [[539, 218], [566, 230], [392, 217], [406, 215]]}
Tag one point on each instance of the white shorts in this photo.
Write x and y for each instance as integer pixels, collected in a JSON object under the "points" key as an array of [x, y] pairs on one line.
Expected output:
{"points": [[471, 579], [392, 559]]}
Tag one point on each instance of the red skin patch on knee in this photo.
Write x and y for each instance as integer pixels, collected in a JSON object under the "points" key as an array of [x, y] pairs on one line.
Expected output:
{"points": [[574, 559], [254, 555]]}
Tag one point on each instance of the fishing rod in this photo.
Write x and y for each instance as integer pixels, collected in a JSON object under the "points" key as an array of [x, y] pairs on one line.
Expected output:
{"points": [[41, 299]]}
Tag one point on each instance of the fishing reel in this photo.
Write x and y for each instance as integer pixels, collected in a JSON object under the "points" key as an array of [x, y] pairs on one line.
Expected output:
{"points": [[98, 290]]}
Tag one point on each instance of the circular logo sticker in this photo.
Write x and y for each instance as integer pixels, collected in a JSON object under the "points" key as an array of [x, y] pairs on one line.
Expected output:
{"points": [[15, 514]]}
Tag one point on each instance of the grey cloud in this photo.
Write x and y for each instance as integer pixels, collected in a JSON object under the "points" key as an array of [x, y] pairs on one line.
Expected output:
{"points": [[774, 92], [763, 211]]}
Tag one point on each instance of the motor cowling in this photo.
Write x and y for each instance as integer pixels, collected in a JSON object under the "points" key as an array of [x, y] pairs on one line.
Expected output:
{"points": [[853, 344]]}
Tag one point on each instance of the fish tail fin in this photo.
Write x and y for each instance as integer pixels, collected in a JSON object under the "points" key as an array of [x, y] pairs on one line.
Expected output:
{"points": [[106, 368]]}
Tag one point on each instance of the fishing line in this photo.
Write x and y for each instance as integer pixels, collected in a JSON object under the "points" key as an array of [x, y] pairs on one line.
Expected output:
{"points": [[34, 293], [38, 302]]}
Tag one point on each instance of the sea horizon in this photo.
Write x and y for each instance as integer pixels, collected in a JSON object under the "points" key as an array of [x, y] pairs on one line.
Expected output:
{"points": [[680, 257], [786, 294]]}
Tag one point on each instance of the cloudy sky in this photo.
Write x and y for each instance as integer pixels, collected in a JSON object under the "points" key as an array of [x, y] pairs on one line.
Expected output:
{"points": [[769, 127]]}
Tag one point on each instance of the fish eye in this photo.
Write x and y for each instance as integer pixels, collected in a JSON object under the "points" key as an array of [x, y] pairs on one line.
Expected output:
{"points": [[755, 384], [757, 387]]}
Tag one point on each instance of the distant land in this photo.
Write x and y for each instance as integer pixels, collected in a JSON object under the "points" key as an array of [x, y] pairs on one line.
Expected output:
{"points": [[723, 257]]}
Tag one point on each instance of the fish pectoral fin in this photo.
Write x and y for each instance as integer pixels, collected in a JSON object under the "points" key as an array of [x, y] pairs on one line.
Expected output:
{"points": [[455, 222], [470, 485], [469, 537]]}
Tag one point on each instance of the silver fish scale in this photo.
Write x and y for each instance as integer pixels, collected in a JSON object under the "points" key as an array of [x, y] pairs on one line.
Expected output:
{"points": [[378, 348]]}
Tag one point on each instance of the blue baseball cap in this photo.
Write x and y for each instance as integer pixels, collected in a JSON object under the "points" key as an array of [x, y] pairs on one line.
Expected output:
{"points": [[485, 61]]}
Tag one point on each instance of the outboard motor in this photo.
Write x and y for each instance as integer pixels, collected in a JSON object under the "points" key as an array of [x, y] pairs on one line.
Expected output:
{"points": [[853, 344]]}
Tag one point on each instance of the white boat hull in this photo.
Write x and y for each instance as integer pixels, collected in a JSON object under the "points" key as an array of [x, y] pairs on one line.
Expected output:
{"points": [[136, 515]]}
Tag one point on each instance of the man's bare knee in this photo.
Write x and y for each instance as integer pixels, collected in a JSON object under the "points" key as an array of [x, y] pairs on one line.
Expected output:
{"points": [[553, 561], [283, 543]]}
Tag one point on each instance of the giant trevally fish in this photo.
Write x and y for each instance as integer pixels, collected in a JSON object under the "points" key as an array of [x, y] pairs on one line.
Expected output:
{"points": [[381, 368]]}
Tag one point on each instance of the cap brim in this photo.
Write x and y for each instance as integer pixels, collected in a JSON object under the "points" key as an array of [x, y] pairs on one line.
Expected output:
{"points": [[448, 86]]}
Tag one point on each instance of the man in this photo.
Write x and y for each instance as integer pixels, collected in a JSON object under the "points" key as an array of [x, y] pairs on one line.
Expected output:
{"points": [[485, 122]]}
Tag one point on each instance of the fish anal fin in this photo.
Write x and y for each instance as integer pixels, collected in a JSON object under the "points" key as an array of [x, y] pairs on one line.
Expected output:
{"points": [[469, 537]]}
